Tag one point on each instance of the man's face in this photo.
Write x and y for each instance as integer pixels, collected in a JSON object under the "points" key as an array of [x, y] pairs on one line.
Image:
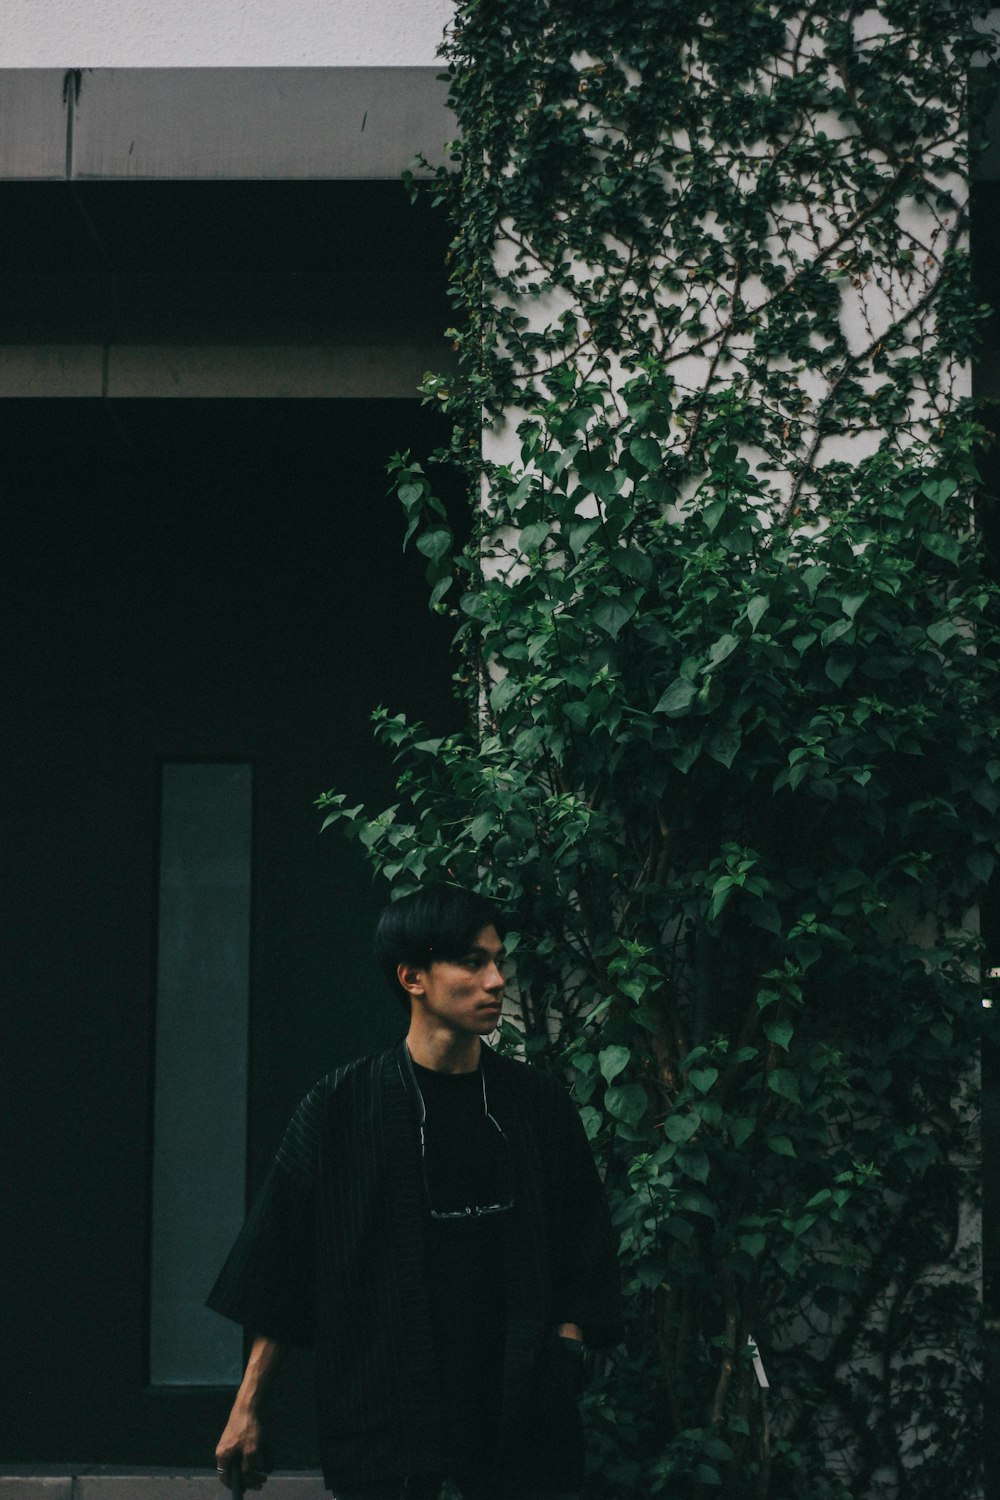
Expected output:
{"points": [[462, 995]]}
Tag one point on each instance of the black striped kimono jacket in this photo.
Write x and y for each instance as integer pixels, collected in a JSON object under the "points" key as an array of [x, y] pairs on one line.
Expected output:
{"points": [[334, 1255]]}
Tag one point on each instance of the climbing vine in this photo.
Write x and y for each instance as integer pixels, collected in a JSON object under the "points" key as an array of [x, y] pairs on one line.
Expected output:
{"points": [[730, 657]]}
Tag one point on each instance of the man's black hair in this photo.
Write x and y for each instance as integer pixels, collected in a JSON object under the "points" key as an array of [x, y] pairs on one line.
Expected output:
{"points": [[437, 922]]}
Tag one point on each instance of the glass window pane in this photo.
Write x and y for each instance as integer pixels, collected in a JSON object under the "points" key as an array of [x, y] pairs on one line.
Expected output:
{"points": [[199, 1141]]}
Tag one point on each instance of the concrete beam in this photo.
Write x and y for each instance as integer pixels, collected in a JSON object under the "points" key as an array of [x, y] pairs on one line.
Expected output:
{"points": [[33, 121], [204, 123]]}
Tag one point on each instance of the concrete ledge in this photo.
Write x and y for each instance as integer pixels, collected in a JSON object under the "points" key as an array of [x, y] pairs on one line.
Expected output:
{"points": [[35, 1487], [92, 1482], [51, 370], [267, 370], [183, 1486], [158, 371]]}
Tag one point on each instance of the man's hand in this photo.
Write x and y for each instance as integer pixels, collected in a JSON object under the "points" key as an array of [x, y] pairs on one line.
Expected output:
{"points": [[243, 1438], [242, 1441], [570, 1331]]}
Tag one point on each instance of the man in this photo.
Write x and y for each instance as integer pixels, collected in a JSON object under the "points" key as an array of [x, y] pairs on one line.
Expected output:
{"points": [[435, 1226]]}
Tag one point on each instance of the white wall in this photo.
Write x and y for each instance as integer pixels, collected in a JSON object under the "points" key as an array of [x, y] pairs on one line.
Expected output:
{"points": [[221, 33]]}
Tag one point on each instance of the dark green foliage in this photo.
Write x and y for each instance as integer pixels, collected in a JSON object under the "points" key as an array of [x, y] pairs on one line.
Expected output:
{"points": [[730, 658]]}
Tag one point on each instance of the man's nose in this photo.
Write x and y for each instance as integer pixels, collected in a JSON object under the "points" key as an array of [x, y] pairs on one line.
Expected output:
{"points": [[494, 978]]}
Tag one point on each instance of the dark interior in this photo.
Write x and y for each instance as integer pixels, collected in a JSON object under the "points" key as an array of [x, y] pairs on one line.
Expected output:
{"points": [[186, 580]]}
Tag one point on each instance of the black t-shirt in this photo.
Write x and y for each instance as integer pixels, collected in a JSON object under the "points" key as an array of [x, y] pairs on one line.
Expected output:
{"points": [[466, 1169]]}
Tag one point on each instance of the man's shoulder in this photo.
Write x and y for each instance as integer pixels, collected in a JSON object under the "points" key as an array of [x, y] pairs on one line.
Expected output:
{"points": [[360, 1072], [335, 1104]]}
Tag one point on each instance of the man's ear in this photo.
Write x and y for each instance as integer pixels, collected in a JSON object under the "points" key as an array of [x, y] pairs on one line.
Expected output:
{"points": [[410, 977]]}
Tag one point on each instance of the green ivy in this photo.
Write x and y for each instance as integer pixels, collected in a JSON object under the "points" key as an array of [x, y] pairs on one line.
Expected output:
{"points": [[730, 658]]}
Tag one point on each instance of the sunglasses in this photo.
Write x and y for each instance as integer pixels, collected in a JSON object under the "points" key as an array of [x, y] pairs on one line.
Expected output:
{"points": [[480, 1210]]}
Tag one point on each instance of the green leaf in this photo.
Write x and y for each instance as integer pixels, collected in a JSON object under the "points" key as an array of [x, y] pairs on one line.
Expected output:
{"points": [[503, 692], [779, 1032], [781, 1145], [942, 545], [721, 892], [532, 537], [721, 651], [839, 666], [611, 614], [813, 577], [626, 1101], [613, 1060], [476, 606], [724, 745], [409, 494], [834, 632], [693, 1162], [753, 1244], [757, 609], [939, 490], [482, 826], [680, 1128], [695, 1202], [634, 564], [702, 1078], [435, 544], [677, 699], [580, 534], [784, 1082], [739, 541], [685, 756], [646, 452], [714, 512], [942, 631]]}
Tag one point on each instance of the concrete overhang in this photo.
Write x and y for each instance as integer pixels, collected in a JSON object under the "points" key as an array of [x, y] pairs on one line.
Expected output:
{"points": [[116, 124], [294, 269]]}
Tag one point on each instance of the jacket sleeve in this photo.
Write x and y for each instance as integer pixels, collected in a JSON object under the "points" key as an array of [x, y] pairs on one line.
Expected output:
{"points": [[268, 1280], [588, 1284]]}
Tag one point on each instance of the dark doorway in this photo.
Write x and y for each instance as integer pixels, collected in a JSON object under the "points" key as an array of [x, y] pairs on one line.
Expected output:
{"points": [[183, 582]]}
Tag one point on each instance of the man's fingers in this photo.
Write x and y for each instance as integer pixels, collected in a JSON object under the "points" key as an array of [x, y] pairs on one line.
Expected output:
{"points": [[249, 1463]]}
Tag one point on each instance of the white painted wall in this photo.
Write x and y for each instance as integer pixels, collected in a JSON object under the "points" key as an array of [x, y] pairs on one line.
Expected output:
{"points": [[221, 33]]}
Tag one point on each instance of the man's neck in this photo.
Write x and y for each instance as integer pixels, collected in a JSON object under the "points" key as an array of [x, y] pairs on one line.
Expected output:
{"points": [[443, 1051]]}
